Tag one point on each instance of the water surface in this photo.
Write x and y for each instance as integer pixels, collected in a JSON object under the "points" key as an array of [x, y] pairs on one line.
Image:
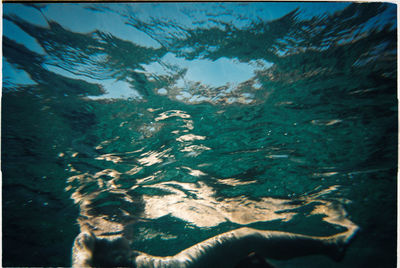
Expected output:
{"points": [[171, 123]]}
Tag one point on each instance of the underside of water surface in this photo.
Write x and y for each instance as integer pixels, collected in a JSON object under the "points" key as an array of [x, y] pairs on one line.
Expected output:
{"points": [[170, 123]]}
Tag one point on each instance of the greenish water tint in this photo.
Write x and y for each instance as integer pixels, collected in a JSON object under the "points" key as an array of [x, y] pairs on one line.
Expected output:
{"points": [[172, 123]]}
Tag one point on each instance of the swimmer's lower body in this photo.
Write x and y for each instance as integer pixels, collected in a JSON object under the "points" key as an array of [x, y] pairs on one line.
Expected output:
{"points": [[224, 250]]}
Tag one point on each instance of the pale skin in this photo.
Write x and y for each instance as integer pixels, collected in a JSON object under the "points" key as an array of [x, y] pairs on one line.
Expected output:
{"points": [[224, 250], [106, 243]]}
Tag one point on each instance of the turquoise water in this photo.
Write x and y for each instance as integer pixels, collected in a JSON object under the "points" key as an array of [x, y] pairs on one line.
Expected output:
{"points": [[171, 123]]}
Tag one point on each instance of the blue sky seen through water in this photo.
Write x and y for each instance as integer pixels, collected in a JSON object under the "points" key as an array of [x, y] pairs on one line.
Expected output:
{"points": [[79, 18]]}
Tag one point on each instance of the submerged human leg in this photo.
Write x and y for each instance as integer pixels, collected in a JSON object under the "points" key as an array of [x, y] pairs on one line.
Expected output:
{"points": [[227, 249]]}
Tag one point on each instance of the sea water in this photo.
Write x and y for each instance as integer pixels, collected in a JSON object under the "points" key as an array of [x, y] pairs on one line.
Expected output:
{"points": [[169, 123]]}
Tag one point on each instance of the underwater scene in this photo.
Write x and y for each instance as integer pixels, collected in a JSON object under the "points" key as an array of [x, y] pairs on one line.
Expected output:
{"points": [[199, 134]]}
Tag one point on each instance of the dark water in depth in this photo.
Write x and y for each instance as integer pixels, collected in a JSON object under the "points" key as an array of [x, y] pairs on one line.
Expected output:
{"points": [[217, 116]]}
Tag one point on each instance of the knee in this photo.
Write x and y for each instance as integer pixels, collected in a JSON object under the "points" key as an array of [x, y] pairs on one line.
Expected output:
{"points": [[82, 251], [89, 251]]}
